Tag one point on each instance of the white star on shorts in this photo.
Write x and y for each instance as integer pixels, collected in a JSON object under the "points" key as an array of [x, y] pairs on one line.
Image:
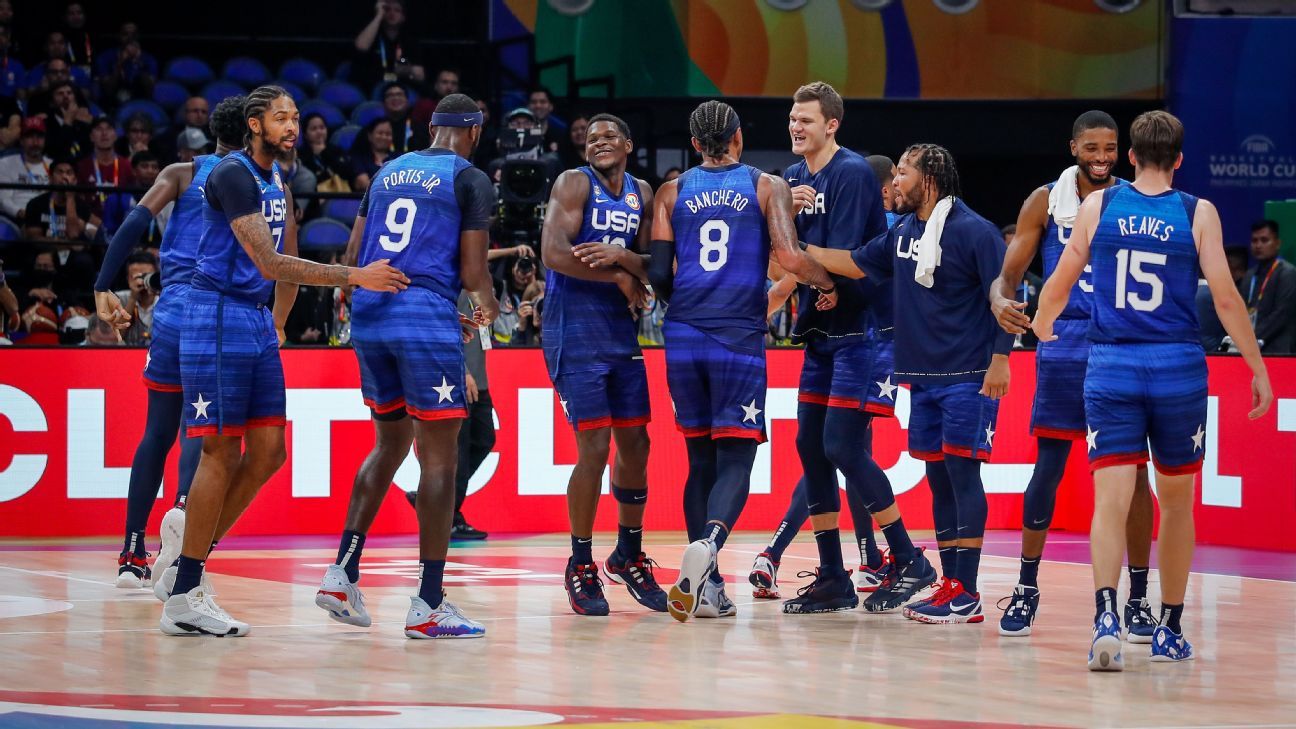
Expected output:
{"points": [[887, 390], [1197, 438], [201, 407], [1091, 437], [750, 412], [989, 432], [443, 392]]}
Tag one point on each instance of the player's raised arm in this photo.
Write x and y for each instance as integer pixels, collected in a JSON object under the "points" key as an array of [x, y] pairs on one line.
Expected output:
{"points": [[661, 251], [1057, 289], [1228, 302], [776, 201], [1031, 221]]}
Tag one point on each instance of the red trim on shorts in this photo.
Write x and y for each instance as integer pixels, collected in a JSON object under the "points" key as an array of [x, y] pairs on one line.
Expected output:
{"points": [[1182, 470], [595, 424], [697, 432], [199, 431], [1057, 433], [927, 455], [813, 398], [732, 432], [844, 402], [953, 450], [442, 414], [385, 408], [631, 422], [159, 386], [274, 421], [886, 411], [1119, 459]]}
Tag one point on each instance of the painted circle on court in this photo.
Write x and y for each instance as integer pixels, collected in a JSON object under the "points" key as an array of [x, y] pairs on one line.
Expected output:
{"points": [[20, 606]]}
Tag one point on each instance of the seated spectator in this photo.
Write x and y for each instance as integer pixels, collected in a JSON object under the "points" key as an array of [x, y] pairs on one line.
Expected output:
{"points": [[1269, 290], [99, 333], [573, 148], [190, 144], [329, 164], [9, 318], [145, 168], [40, 302], [312, 317], [489, 141], [11, 121], [386, 50], [104, 168], [41, 98], [397, 107], [1212, 331], [139, 138], [674, 172], [446, 82], [31, 166], [540, 103], [56, 48], [196, 116], [80, 50], [371, 149], [299, 180], [67, 126], [520, 296], [13, 75], [50, 218], [126, 72]]}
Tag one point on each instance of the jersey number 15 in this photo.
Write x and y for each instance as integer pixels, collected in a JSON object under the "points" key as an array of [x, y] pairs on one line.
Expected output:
{"points": [[1129, 264]]}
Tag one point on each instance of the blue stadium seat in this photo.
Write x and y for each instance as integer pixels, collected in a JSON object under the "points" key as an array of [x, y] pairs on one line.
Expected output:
{"points": [[188, 71], [367, 112], [342, 210], [216, 91], [9, 230], [302, 72], [161, 119], [246, 72], [170, 95], [343, 71], [333, 117], [340, 94], [34, 76], [410, 93], [323, 233], [344, 137], [80, 77], [298, 93]]}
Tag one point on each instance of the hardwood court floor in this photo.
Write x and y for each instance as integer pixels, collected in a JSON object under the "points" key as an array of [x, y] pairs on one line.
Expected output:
{"points": [[80, 653]]}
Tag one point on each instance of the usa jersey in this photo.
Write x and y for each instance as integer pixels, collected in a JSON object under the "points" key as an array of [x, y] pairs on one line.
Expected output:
{"points": [[722, 251], [1051, 247], [587, 323], [223, 265], [412, 217], [179, 252], [1144, 262]]}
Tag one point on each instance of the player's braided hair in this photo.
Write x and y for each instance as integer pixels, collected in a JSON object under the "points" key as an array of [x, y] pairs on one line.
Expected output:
{"points": [[227, 121], [713, 125], [935, 163], [256, 104]]}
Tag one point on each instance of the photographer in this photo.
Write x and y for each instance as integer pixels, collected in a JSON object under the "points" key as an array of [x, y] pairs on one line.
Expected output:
{"points": [[521, 298], [522, 138], [140, 298]]}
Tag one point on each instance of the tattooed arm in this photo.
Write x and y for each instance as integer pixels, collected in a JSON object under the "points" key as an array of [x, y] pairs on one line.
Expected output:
{"points": [[253, 234]]}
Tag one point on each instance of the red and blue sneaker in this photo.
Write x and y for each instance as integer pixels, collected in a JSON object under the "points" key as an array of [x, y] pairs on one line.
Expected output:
{"points": [[584, 589], [637, 576], [825, 594], [443, 621], [1169, 646], [900, 583], [133, 571], [952, 605], [764, 577]]}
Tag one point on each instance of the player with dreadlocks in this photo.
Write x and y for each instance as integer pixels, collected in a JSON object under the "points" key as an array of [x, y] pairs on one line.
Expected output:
{"points": [[718, 226], [942, 258], [229, 356]]}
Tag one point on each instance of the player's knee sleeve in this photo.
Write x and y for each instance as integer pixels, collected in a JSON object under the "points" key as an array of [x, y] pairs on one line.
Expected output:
{"points": [[845, 444], [633, 497], [944, 507], [969, 495], [1041, 492], [821, 478]]}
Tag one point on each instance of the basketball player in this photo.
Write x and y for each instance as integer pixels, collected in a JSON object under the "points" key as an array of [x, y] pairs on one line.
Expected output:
{"points": [[591, 348], [884, 170], [1147, 370], [180, 183], [229, 355], [430, 211], [942, 258], [1058, 416], [717, 226]]}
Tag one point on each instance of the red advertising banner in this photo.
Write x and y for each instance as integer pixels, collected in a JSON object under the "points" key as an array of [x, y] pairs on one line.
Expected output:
{"points": [[70, 420]]}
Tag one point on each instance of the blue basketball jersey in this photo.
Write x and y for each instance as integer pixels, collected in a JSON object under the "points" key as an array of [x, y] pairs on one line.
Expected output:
{"points": [[1051, 247], [587, 323], [413, 218], [179, 252], [223, 265], [722, 251], [1144, 262]]}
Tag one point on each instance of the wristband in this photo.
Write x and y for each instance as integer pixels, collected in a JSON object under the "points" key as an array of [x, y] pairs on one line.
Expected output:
{"points": [[828, 291]]}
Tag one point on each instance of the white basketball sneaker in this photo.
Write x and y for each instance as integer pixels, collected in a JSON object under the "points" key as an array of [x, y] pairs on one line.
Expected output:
{"points": [[196, 613], [698, 562], [443, 621], [341, 598], [714, 602], [173, 524], [164, 583]]}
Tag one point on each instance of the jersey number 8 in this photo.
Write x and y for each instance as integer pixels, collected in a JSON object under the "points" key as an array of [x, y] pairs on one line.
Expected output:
{"points": [[714, 237], [400, 221]]}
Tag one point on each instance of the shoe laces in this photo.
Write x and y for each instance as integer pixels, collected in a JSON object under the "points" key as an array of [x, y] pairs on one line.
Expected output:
{"points": [[945, 593], [641, 569], [814, 582], [587, 579], [888, 572], [1018, 605]]}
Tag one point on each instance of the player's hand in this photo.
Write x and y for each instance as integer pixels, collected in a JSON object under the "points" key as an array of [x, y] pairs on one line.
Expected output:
{"points": [[1010, 314], [468, 328], [826, 301], [283, 336], [109, 308], [470, 389], [486, 311], [1261, 396], [633, 289], [803, 196], [379, 276], [599, 255], [1043, 330], [995, 385]]}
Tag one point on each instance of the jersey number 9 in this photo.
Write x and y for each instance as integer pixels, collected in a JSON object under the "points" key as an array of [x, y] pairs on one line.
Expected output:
{"points": [[714, 237], [400, 222]]}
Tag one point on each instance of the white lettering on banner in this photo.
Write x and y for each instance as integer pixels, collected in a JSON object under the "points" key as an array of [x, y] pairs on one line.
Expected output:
{"points": [[780, 404], [1217, 490], [312, 413], [87, 477], [538, 475], [25, 416]]}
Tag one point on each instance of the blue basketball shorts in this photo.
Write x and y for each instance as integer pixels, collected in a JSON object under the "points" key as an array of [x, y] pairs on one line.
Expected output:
{"points": [[716, 391], [162, 367], [952, 420], [858, 374], [612, 395], [1060, 367]]}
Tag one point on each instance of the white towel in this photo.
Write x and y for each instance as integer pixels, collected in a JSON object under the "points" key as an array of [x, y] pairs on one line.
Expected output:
{"points": [[1064, 200], [929, 250]]}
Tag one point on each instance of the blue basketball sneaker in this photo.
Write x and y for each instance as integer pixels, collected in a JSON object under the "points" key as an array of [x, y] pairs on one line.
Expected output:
{"points": [[900, 583], [1139, 622], [1105, 652], [637, 576], [825, 594], [1023, 604], [1170, 647], [584, 589], [952, 605]]}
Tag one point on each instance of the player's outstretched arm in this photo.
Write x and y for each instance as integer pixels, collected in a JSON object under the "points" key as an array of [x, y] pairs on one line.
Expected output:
{"points": [[1031, 222], [1075, 257], [1228, 302], [286, 291], [253, 233], [475, 275], [633, 260], [777, 205]]}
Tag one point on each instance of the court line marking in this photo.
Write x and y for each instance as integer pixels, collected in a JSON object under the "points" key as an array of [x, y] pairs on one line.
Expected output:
{"points": [[59, 575]]}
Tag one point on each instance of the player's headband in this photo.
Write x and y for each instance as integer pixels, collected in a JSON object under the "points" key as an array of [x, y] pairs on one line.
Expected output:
{"points": [[731, 128], [447, 119]]}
